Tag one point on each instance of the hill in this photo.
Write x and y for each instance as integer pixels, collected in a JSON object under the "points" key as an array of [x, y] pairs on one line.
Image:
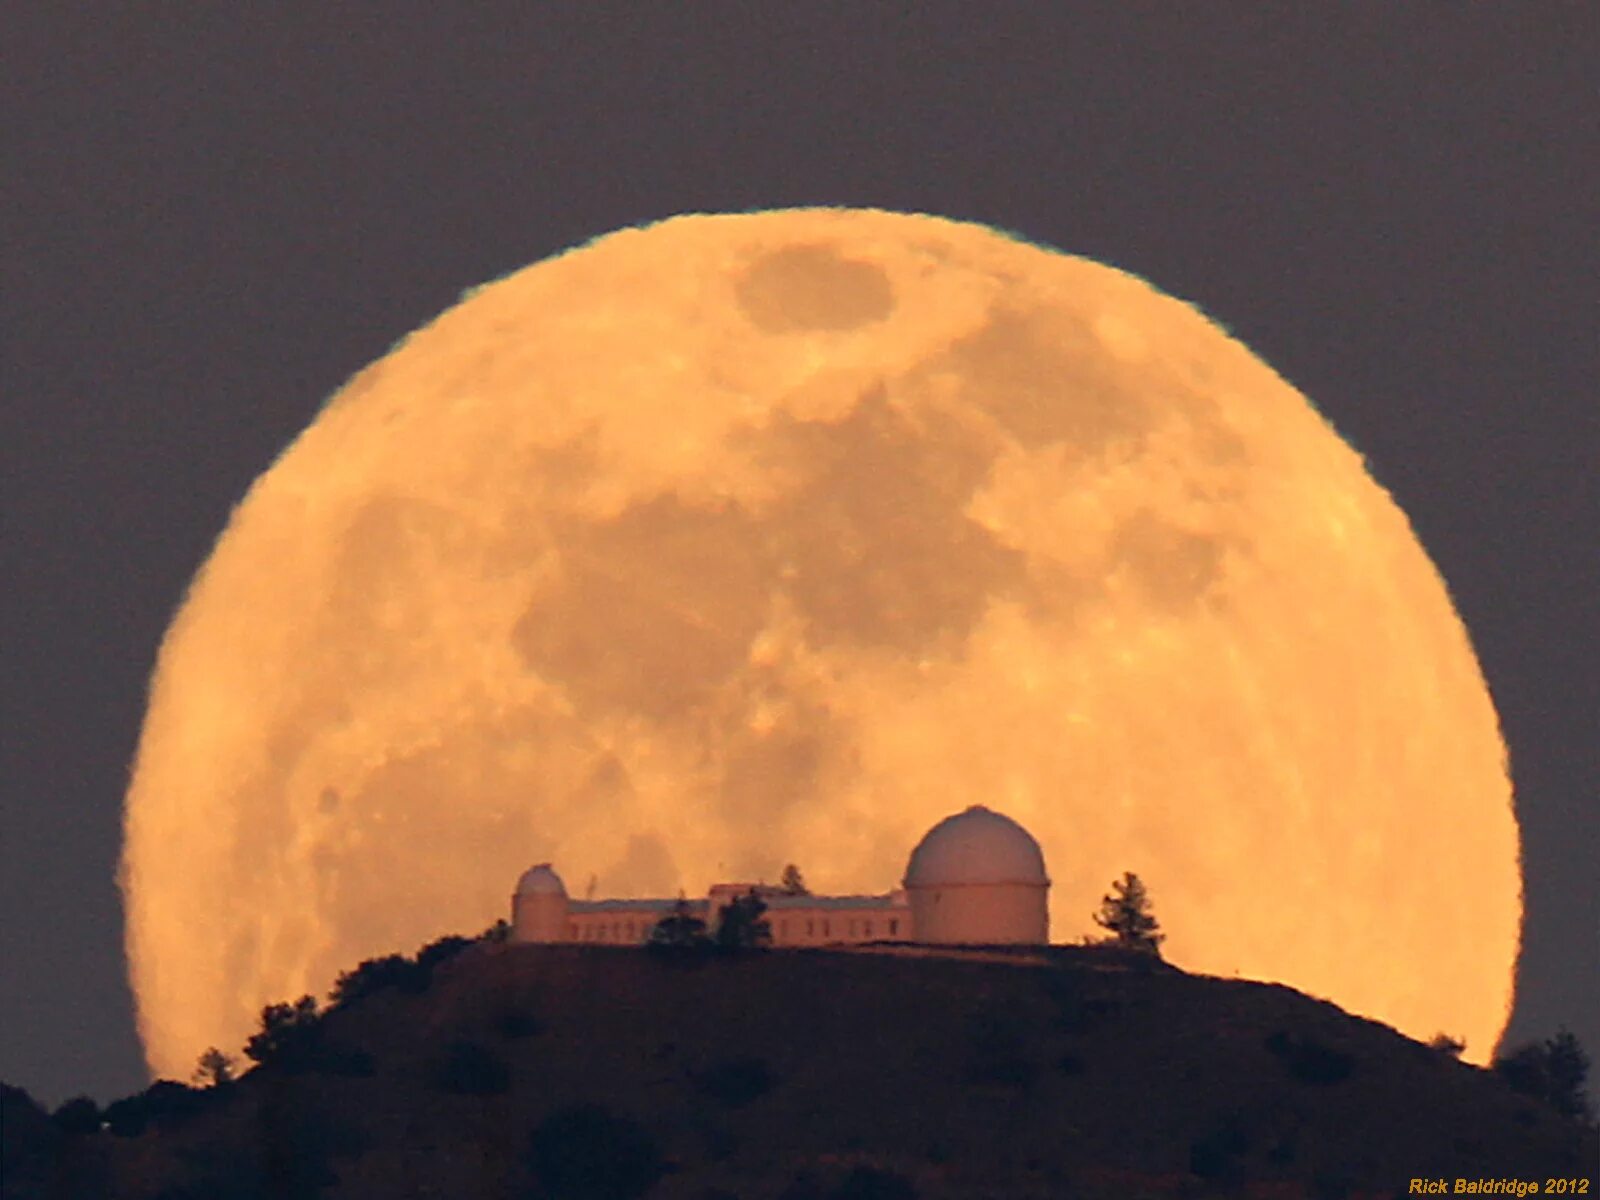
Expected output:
{"points": [[524, 1071]]}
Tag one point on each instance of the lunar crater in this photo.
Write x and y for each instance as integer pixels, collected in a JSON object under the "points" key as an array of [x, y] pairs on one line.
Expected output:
{"points": [[813, 287]]}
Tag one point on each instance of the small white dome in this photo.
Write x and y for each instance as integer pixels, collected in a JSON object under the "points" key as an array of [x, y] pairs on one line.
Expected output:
{"points": [[976, 846], [540, 881]]}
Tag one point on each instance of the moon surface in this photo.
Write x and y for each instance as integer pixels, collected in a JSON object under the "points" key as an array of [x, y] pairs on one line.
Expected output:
{"points": [[737, 540]]}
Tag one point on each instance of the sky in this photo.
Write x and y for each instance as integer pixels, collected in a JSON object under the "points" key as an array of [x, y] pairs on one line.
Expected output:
{"points": [[214, 221]]}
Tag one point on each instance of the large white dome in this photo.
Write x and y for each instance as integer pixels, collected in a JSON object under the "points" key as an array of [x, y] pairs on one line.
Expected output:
{"points": [[976, 846], [541, 881]]}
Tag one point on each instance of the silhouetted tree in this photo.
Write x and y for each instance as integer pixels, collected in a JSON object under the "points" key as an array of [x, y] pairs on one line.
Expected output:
{"points": [[681, 929], [78, 1116], [793, 882], [376, 974], [215, 1069], [1125, 912], [291, 1035], [586, 1152], [1555, 1071], [1450, 1047], [497, 933], [740, 925], [439, 951]]}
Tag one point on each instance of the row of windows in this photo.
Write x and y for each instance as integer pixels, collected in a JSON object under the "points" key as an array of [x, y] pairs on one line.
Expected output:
{"points": [[637, 931]]}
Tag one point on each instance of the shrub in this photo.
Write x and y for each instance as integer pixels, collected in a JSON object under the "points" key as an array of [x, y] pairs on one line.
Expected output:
{"points": [[470, 1069], [127, 1117], [1554, 1071], [586, 1152], [740, 925], [290, 1034], [1310, 1061], [441, 950], [679, 931], [78, 1116], [377, 974], [735, 1082]]}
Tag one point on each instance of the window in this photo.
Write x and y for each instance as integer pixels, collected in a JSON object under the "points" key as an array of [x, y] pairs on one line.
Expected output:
{"points": [[852, 927], [811, 927], [824, 926], [869, 928], [572, 931], [894, 926], [783, 930]]}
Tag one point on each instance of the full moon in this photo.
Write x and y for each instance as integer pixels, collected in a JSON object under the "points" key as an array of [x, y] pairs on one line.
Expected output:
{"points": [[739, 540]]}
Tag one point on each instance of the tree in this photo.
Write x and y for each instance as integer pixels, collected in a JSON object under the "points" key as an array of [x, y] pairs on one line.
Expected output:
{"points": [[1450, 1047], [740, 925], [1125, 912], [376, 974], [215, 1069], [77, 1116], [290, 1035], [1554, 1071], [793, 882], [680, 930]]}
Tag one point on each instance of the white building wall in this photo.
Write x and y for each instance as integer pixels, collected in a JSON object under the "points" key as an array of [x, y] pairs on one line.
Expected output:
{"points": [[987, 913], [540, 917]]}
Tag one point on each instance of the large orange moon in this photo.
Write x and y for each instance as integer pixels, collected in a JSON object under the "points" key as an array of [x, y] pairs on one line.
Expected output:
{"points": [[744, 539]]}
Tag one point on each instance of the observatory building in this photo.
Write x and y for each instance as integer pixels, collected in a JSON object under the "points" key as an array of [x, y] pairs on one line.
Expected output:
{"points": [[976, 877]]}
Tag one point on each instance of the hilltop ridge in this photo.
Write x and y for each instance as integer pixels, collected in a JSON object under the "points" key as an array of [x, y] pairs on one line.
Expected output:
{"points": [[1051, 1072]]}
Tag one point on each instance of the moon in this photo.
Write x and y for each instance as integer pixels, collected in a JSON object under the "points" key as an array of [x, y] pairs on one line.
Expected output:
{"points": [[737, 540]]}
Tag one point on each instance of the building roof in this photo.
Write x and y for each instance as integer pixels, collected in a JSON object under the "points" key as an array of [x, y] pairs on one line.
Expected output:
{"points": [[632, 905], [976, 846], [540, 880]]}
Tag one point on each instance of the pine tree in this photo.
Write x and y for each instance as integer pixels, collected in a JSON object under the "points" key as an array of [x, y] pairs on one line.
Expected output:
{"points": [[681, 929], [215, 1069], [1125, 912], [740, 925], [792, 881]]}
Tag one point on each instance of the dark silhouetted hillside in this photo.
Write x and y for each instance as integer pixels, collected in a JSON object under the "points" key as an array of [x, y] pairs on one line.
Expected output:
{"points": [[589, 1071]]}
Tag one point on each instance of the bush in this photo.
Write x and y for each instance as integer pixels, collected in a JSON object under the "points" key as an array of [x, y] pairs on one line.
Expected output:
{"points": [[470, 1069], [127, 1117], [289, 1037], [586, 1152], [375, 975], [735, 1082], [740, 925], [1308, 1060], [77, 1116], [439, 951], [1554, 1071]]}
